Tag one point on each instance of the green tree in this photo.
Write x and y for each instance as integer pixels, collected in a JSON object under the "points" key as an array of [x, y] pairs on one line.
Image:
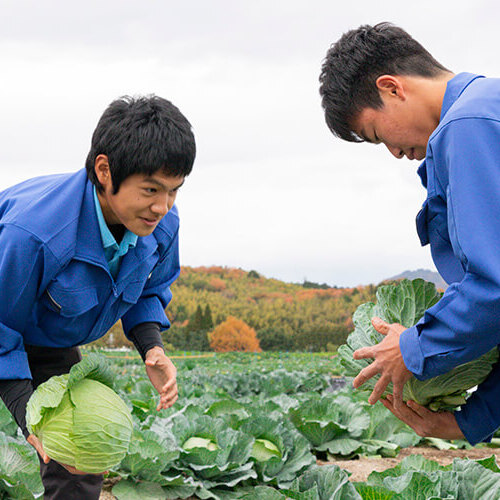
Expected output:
{"points": [[275, 340], [208, 322], [196, 322]]}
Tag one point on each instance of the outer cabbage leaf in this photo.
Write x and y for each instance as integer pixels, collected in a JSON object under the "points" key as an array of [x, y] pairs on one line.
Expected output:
{"points": [[416, 477], [7, 423], [19, 470], [386, 434], [331, 423], [148, 456], [323, 482], [291, 454], [405, 303], [227, 465]]}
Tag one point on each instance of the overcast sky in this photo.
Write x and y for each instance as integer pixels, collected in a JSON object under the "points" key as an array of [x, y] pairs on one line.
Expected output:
{"points": [[271, 189]]}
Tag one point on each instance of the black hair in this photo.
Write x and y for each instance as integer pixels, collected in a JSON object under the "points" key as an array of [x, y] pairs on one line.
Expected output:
{"points": [[141, 135], [353, 64]]}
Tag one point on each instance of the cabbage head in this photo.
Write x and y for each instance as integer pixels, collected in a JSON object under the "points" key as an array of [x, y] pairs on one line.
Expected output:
{"points": [[79, 418], [405, 303]]}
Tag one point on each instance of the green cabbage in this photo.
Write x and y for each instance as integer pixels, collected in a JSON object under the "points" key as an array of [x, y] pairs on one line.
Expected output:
{"points": [[79, 419], [405, 303], [263, 450]]}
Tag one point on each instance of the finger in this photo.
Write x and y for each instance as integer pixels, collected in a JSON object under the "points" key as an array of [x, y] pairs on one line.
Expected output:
{"points": [[364, 352], [397, 391], [365, 374], [167, 400], [420, 410], [380, 325], [169, 385], [164, 404], [387, 404], [379, 389]]}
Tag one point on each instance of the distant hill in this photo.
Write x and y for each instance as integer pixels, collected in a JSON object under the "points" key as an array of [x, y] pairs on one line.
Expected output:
{"points": [[425, 274], [286, 316]]}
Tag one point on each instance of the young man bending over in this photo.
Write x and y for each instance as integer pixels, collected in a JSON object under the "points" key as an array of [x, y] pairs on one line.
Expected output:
{"points": [[80, 251], [379, 85]]}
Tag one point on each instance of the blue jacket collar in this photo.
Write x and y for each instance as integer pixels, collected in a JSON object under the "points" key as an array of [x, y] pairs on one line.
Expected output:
{"points": [[454, 88]]}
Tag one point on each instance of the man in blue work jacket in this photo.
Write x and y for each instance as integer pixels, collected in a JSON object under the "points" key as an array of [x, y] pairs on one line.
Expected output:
{"points": [[379, 85], [80, 251]]}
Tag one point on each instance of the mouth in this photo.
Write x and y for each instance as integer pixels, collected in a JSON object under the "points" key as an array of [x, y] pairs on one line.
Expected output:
{"points": [[149, 222]]}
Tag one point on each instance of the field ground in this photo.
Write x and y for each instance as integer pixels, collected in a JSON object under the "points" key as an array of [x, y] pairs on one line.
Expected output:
{"points": [[361, 468]]}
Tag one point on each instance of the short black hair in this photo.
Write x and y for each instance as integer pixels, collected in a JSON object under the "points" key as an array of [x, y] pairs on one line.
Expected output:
{"points": [[353, 64], [141, 135]]}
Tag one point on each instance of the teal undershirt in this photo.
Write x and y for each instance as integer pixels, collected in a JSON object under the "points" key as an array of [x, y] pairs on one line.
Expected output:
{"points": [[112, 251]]}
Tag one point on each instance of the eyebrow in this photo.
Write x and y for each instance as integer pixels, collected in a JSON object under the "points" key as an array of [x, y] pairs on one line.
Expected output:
{"points": [[160, 184]]}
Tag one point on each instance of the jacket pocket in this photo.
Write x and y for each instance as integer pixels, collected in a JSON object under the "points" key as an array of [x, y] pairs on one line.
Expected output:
{"points": [[70, 303]]}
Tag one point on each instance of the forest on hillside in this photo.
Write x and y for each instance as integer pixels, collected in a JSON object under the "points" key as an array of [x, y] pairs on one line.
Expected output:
{"points": [[285, 316]]}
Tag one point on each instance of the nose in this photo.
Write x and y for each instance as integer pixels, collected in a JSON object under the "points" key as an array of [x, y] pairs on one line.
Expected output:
{"points": [[162, 205], [397, 152]]}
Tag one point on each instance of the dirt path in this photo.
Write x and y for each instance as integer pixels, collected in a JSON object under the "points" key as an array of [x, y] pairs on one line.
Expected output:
{"points": [[362, 467]]}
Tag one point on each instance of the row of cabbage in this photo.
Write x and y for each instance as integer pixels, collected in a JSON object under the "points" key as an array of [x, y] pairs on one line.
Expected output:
{"points": [[243, 434]]}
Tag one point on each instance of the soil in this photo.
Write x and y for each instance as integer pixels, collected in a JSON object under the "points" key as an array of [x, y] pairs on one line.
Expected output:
{"points": [[361, 468]]}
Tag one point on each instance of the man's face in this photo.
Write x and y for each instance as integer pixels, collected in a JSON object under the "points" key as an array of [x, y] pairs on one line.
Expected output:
{"points": [[141, 202], [402, 124]]}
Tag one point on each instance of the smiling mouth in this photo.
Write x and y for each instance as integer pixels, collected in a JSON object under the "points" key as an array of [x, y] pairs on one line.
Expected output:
{"points": [[150, 222]]}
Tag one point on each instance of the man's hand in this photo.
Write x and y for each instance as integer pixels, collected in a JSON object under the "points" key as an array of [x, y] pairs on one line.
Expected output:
{"points": [[162, 373], [388, 361], [424, 422], [37, 444]]}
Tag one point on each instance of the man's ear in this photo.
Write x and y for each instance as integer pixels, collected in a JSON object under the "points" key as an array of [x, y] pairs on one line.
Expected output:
{"points": [[391, 86], [101, 168]]}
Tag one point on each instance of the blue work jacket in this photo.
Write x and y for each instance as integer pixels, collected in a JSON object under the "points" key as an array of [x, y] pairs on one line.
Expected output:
{"points": [[461, 220], [55, 286]]}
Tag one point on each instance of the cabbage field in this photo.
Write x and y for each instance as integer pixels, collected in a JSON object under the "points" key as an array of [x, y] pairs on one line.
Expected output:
{"points": [[255, 426]]}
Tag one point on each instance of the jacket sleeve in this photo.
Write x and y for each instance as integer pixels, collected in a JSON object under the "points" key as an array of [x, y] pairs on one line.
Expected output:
{"points": [[23, 260], [156, 294], [465, 323]]}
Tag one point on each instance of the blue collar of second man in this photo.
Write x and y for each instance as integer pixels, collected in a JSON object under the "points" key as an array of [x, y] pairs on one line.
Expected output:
{"points": [[112, 251]]}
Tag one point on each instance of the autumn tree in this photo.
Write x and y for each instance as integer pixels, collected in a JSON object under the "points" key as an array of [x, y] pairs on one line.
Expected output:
{"points": [[234, 335]]}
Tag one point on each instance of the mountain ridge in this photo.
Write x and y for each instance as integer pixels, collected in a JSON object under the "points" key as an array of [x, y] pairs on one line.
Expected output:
{"points": [[426, 274]]}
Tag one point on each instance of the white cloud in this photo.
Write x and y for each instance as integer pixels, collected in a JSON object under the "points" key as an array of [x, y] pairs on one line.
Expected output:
{"points": [[271, 190]]}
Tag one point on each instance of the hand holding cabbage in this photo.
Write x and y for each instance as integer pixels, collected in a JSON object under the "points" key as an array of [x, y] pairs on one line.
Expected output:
{"points": [[404, 304], [79, 420], [388, 362]]}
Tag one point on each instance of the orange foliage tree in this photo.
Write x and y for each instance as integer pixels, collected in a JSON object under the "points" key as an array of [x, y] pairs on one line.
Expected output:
{"points": [[234, 335]]}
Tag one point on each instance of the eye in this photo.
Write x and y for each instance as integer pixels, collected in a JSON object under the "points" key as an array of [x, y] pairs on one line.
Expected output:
{"points": [[150, 190]]}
